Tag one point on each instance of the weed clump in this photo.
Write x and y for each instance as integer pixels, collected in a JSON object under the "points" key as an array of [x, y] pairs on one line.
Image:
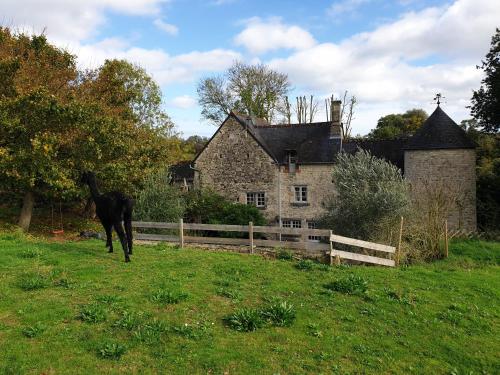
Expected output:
{"points": [[305, 265], [34, 330], [279, 313], [168, 297], [351, 284], [92, 313], [284, 254], [232, 294], [245, 320], [111, 350], [32, 281]]}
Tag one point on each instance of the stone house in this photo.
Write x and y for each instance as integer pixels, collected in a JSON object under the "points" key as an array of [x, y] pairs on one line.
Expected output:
{"points": [[285, 170]]}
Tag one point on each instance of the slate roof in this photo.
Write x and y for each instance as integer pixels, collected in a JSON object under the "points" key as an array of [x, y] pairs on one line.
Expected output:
{"points": [[439, 131], [181, 171], [311, 141], [313, 144]]}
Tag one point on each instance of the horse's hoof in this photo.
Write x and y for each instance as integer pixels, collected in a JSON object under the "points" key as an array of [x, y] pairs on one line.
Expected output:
{"points": [[127, 260], [110, 250]]}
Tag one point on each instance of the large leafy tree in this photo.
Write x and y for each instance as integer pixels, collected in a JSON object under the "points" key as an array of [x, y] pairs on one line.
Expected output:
{"points": [[56, 122], [486, 101], [397, 125], [255, 90]]}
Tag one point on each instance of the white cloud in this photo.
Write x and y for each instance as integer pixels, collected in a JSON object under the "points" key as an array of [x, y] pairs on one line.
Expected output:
{"points": [[339, 8], [183, 102], [69, 21], [261, 36], [167, 27], [165, 68], [381, 67]]}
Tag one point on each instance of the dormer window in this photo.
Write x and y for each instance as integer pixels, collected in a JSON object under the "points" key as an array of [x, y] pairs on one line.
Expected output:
{"points": [[291, 160]]}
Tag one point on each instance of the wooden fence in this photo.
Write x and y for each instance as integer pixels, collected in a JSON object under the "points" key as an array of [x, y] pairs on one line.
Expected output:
{"points": [[301, 239]]}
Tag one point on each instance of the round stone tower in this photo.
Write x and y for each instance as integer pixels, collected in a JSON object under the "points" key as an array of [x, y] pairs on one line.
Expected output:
{"points": [[440, 163]]}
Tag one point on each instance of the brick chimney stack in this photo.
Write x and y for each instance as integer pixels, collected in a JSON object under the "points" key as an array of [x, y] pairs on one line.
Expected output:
{"points": [[335, 127]]}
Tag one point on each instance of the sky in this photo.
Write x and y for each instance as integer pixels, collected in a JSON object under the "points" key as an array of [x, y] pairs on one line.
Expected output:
{"points": [[392, 55]]}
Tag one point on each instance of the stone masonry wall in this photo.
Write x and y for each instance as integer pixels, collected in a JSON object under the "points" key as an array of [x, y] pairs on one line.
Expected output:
{"points": [[318, 179], [454, 171], [233, 164]]}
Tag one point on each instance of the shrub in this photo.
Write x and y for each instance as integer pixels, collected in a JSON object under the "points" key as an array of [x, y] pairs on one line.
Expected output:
{"points": [[368, 191], [205, 206], [351, 284], [245, 320], [111, 350], [167, 297], [279, 313], [92, 313], [159, 200]]}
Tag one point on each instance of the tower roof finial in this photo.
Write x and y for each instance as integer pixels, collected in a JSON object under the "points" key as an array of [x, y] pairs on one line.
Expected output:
{"points": [[438, 98]]}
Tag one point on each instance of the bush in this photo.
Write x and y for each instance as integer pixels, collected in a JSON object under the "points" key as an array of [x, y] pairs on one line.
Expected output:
{"points": [[159, 200], [305, 265], [352, 284], [284, 254], [207, 207], [369, 191]]}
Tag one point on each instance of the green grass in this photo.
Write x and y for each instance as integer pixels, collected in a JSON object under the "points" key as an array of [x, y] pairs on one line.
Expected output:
{"points": [[71, 307]]}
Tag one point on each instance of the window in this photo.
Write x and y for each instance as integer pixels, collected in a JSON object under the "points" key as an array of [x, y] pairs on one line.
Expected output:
{"points": [[312, 225], [291, 160], [291, 223], [257, 199], [300, 194]]}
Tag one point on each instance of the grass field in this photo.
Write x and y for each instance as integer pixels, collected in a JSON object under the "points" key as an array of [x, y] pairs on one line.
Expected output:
{"points": [[71, 308]]}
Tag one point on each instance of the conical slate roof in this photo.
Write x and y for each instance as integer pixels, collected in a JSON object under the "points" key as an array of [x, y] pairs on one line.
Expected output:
{"points": [[439, 131]]}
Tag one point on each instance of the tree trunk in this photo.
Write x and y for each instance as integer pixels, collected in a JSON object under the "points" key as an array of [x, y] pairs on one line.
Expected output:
{"points": [[26, 211], [89, 210]]}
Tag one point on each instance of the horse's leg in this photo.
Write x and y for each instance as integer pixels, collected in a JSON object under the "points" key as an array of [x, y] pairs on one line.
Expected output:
{"points": [[127, 220], [109, 236], [121, 234]]}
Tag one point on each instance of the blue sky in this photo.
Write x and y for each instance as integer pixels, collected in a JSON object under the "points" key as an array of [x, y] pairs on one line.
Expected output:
{"points": [[393, 55]]}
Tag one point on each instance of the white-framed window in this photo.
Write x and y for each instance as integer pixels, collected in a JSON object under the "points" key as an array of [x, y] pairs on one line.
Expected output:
{"points": [[291, 223], [300, 194], [312, 225], [258, 199], [291, 160]]}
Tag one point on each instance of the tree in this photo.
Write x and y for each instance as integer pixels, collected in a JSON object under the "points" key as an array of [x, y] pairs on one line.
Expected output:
{"points": [[34, 114], [486, 101], [368, 192], [254, 90], [56, 122], [397, 125]]}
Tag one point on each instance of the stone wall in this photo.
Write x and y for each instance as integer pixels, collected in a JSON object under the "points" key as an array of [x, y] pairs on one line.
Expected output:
{"points": [[318, 179], [233, 164], [451, 171]]}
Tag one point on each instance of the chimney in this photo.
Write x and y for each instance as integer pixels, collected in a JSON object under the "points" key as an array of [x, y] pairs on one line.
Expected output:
{"points": [[335, 126]]}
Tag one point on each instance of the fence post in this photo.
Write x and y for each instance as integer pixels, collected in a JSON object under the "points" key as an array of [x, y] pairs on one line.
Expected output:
{"points": [[398, 251], [181, 233], [250, 236], [331, 248], [446, 238]]}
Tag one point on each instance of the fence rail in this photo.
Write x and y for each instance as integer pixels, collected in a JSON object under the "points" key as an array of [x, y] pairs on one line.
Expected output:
{"points": [[302, 243]]}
